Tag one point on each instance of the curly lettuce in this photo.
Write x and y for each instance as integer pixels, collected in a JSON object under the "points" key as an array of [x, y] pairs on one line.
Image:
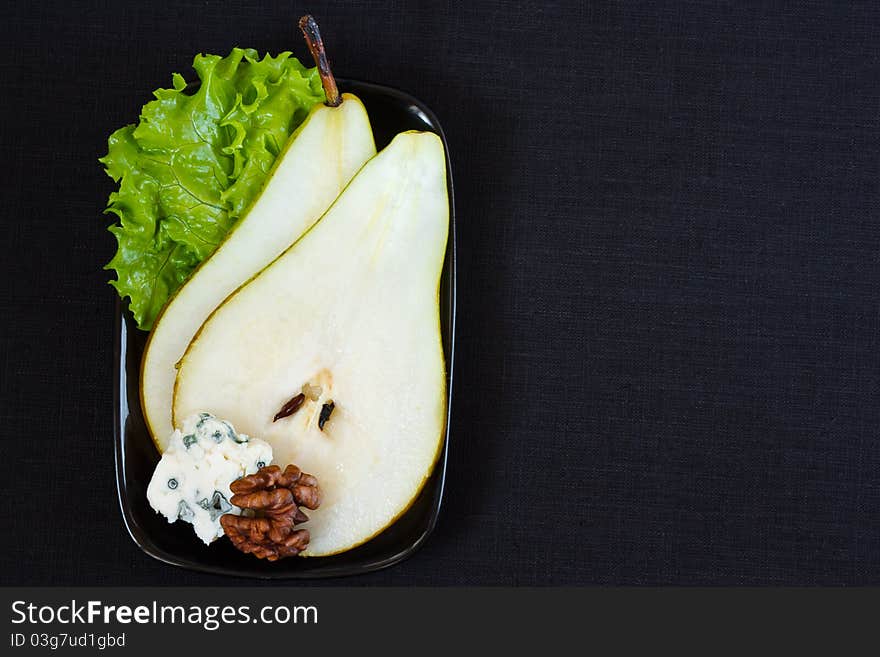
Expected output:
{"points": [[193, 164]]}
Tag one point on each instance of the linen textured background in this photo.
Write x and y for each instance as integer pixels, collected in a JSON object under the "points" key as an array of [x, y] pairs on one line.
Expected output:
{"points": [[667, 366]]}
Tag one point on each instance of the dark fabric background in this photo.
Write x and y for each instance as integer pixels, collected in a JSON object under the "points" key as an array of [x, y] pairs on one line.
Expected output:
{"points": [[669, 284]]}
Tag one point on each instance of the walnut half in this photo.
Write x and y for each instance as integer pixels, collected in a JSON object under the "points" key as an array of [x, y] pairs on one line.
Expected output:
{"points": [[273, 497]]}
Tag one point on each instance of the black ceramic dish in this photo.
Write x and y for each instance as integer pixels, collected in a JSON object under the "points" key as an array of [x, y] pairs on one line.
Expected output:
{"points": [[390, 111]]}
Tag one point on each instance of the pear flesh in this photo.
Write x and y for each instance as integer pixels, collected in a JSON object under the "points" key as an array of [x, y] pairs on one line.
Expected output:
{"points": [[321, 157], [348, 314]]}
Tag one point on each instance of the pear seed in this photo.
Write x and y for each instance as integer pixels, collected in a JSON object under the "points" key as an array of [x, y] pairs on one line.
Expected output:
{"points": [[326, 410], [290, 407]]}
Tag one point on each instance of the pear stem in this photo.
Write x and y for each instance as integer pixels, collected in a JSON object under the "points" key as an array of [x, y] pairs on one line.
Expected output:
{"points": [[316, 46]]}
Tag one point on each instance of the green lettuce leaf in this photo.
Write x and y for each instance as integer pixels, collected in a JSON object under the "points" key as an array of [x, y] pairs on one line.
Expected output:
{"points": [[193, 164]]}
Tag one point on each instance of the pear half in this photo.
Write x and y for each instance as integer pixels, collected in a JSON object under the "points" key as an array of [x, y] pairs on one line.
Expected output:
{"points": [[319, 160], [350, 309]]}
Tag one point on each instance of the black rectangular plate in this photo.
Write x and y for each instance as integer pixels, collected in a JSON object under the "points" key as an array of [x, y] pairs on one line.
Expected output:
{"points": [[391, 111]]}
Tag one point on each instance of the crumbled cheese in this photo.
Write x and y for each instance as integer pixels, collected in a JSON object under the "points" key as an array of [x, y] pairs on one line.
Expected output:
{"points": [[191, 481]]}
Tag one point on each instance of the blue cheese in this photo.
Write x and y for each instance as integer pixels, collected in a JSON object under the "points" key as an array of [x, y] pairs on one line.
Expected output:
{"points": [[191, 481]]}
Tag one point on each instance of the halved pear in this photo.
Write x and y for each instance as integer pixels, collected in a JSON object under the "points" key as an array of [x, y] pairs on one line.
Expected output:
{"points": [[319, 160], [350, 309]]}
